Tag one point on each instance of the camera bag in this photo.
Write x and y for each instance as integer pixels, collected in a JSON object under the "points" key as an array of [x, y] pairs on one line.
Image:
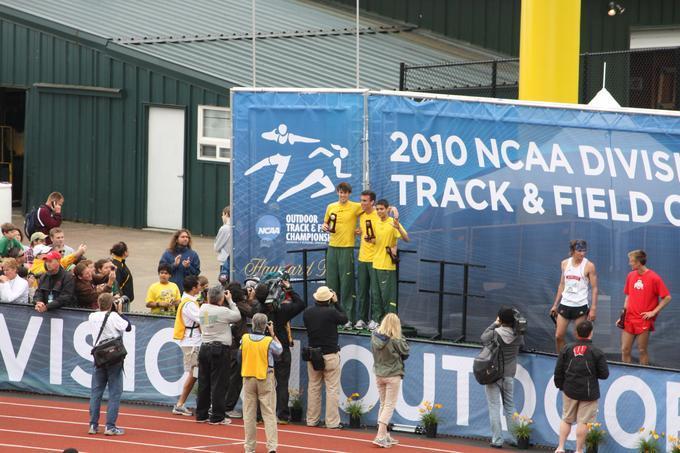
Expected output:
{"points": [[315, 356], [488, 366], [111, 351]]}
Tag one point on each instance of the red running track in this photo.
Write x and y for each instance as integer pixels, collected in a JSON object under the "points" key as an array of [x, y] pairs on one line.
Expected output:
{"points": [[36, 425]]}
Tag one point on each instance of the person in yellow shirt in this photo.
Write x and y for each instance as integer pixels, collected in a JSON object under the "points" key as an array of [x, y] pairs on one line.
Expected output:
{"points": [[387, 231], [163, 296], [340, 221], [366, 231]]}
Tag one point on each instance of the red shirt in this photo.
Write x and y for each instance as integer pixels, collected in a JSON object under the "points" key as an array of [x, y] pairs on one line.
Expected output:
{"points": [[644, 291]]}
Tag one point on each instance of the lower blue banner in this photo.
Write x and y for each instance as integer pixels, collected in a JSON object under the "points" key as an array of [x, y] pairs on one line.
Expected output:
{"points": [[50, 354]]}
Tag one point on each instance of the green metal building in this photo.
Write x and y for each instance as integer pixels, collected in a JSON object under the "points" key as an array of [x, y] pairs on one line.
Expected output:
{"points": [[123, 106]]}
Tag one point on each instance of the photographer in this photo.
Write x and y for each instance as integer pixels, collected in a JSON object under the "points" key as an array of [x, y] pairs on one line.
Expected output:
{"points": [[112, 375], [257, 357], [280, 315], [85, 289], [245, 308], [502, 391], [322, 321], [214, 355]]}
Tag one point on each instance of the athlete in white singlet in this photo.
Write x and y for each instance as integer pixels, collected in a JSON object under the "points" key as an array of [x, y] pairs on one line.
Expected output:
{"points": [[571, 301]]}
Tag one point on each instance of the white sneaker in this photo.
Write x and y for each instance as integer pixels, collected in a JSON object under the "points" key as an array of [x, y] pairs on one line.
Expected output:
{"points": [[182, 410], [372, 325], [235, 414], [348, 326], [360, 325], [224, 421]]}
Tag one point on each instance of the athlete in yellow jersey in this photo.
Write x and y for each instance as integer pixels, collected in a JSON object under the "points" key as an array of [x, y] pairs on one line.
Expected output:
{"points": [[366, 232], [340, 221], [387, 231]]}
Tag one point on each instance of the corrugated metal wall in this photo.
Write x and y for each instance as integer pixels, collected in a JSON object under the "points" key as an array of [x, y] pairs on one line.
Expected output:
{"points": [[495, 24], [91, 145]]}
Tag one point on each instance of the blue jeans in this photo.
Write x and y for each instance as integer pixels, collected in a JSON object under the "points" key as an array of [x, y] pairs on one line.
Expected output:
{"points": [[112, 375], [497, 393], [224, 268]]}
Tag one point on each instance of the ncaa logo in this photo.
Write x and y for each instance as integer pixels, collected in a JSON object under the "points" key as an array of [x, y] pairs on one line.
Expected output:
{"points": [[268, 227]]}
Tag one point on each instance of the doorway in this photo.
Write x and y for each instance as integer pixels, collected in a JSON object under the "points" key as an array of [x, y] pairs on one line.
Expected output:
{"points": [[12, 140], [165, 173]]}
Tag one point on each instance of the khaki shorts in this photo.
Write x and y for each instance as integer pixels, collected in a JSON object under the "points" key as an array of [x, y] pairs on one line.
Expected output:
{"points": [[190, 356], [575, 411]]}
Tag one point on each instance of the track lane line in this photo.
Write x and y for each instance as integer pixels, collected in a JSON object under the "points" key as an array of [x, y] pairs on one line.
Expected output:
{"points": [[186, 420]]}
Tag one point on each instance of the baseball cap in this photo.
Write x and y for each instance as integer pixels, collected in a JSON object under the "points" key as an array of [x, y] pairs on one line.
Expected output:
{"points": [[38, 236], [53, 255], [41, 249]]}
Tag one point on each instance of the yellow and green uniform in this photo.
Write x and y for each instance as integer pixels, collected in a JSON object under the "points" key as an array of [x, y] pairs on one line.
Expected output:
{"points": [[340, 255], [384, 292], [365, 268], [164, 293]]}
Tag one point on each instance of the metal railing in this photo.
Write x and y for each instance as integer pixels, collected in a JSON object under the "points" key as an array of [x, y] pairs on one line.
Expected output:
{"points": [[643, 78]]}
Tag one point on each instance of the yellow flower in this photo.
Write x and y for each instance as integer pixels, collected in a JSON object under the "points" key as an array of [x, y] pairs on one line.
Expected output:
{"points": [[437, 406], [656, 436], [642, 429], [355, 395], [422, 411]]}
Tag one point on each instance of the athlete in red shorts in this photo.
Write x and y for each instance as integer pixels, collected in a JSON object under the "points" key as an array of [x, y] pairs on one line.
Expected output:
{"points": [[643, 289]]}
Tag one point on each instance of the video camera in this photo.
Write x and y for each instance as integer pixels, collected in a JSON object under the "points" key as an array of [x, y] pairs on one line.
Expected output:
{"points": [[276, 291], [520, 325]]}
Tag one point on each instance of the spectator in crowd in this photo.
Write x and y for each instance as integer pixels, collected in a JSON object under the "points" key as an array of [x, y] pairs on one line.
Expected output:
{"points": [[281, 315], [389, 352], [12, 287], [56, 286], [579, 367], [257, 356], [204, 286], [48, 215], [214, 357], [38, 267], [57, 239], [10, 238], [181, 257], [502, 391], [245, 308], [37, 238], [643, 289], [387, 231], [163, 296], [571, 302], [367, 221], [19, 256], [322, 321], [87, 292], [188, 333], [111, 375], [223, 242], [340, 221], [103, 269], [119, 253]]}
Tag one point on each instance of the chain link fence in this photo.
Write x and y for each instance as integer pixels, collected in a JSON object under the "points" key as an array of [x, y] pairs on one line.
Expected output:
{"points": [[643, 78]]}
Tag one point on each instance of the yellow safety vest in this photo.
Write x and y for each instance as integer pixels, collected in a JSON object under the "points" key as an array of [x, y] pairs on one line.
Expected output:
{"points": [[255, 357], [178, 333]]}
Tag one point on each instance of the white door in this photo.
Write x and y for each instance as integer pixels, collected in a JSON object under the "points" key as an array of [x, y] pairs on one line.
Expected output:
{"points": [[165, 174]]}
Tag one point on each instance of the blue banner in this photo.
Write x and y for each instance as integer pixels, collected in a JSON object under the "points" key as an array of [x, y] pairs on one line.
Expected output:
{"points": [[290, 151], [508, 186], [50, 353]]}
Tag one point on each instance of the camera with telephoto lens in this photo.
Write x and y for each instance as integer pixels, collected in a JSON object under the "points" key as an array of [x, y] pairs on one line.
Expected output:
{"points": [[520, 325], [123, 300], [277, 292]]}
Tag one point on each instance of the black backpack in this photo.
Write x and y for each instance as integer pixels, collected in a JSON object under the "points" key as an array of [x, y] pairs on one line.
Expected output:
{"points": [[488, 366], [30, 222]]}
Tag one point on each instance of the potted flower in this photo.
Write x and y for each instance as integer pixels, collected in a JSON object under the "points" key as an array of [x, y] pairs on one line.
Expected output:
{"points": [[594, 436], [649, 441], [355, 410], [521, 429], [295, 405], [673, 444], [429, 417]]}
